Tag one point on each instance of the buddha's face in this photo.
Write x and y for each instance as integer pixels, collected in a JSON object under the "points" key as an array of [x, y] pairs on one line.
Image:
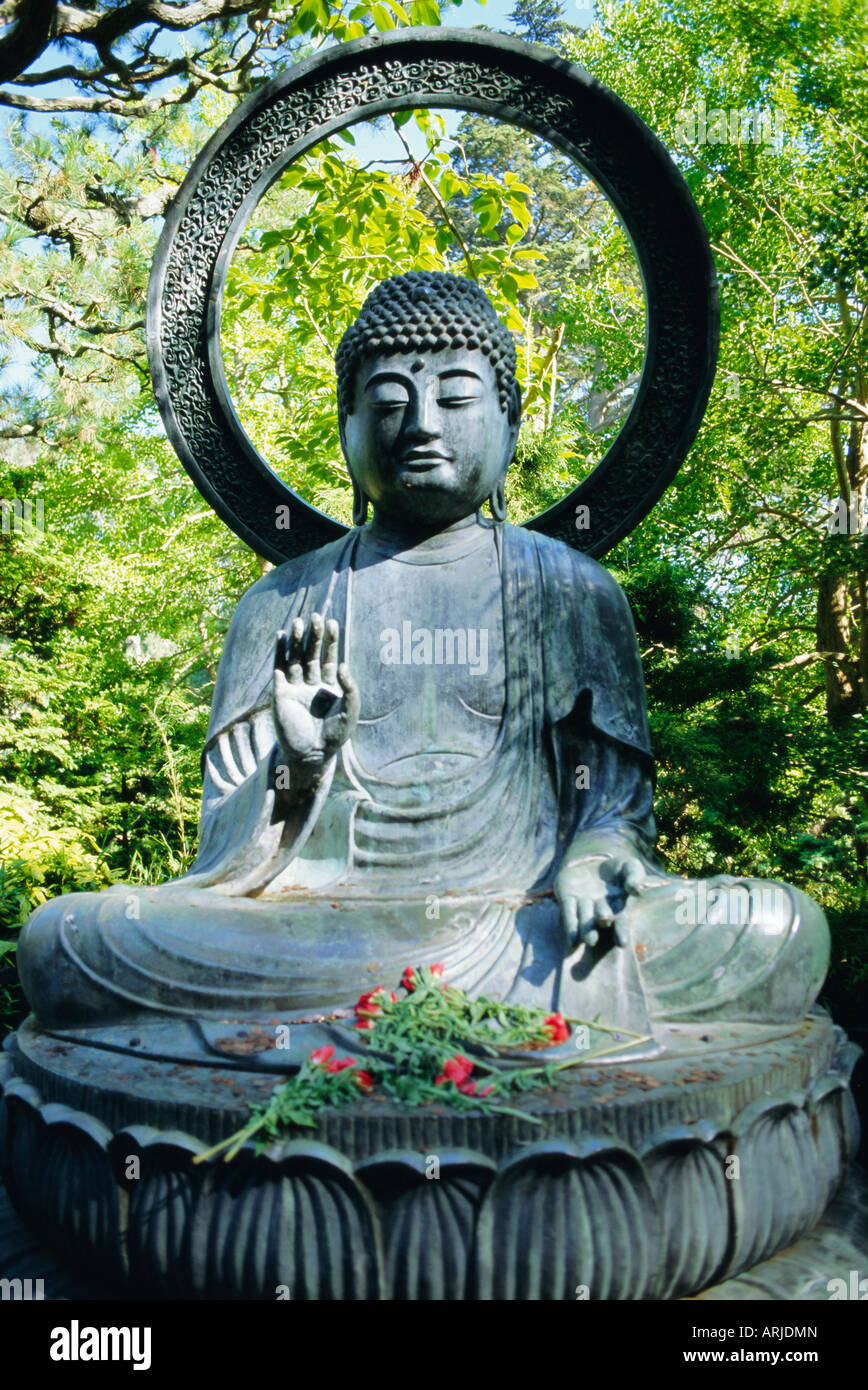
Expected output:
{"points": [[426, 439]]}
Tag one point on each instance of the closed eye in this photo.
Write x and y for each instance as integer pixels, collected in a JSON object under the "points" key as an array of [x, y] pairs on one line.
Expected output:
{"points": [[387, 395]]}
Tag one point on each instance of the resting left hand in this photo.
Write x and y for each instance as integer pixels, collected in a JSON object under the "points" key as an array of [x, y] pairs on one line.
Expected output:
{"points": [[594, 893]]}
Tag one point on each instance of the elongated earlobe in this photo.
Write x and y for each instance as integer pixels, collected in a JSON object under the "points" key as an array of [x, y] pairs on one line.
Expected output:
{"points": [[360, 505], [497, 500]]}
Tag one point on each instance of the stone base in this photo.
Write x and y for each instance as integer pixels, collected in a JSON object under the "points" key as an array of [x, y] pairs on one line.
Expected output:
{"points": [[805, 1272], [654, 1179], [802, 1273]]}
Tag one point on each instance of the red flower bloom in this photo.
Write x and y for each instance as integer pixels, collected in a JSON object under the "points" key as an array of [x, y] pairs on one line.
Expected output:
{"points": [[367, 1006], [457, 1069], [364, 1081], [469, 1089], [340, 1064], [325, 1057], [408, 979], [557, 1028]]}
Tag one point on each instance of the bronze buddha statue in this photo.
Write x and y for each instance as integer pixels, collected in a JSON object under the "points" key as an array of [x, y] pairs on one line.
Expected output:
{"points": [[428, 742]]}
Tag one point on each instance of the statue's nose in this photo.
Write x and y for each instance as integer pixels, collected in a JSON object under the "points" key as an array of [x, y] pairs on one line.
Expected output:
{"points": [[424, 424]]}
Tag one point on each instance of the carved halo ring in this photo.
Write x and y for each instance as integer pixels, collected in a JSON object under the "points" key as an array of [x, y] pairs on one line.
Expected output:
{"points": [[522, 85]]}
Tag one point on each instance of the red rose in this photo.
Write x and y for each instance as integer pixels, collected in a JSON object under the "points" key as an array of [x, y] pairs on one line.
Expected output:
{"points": [[364, 1081], [322, 1055], [437, 969], [557, 1028]]}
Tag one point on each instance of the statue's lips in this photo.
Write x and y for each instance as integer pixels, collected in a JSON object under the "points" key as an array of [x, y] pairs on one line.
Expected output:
{"points": [[420, 463]]}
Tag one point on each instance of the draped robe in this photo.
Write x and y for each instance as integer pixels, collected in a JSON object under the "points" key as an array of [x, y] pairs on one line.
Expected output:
{"points": [[294, 907]]}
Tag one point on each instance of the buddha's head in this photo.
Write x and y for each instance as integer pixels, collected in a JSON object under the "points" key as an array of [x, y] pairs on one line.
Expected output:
{"points": [[428, 403]]}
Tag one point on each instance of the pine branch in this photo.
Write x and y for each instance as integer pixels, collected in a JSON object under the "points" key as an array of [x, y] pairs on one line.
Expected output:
{"points": [[31, 20], [124, 85]]}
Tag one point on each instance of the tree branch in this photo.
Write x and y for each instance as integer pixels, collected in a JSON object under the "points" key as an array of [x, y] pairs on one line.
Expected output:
{"points": [[123, 83], [107, 26], [29, 37]]}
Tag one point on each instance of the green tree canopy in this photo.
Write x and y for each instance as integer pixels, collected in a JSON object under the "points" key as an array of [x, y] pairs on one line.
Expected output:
{"points": [[748, 581]]}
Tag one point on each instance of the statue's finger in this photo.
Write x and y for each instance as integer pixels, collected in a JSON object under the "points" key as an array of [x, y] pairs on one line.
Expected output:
{"points": [[313, 647], [633, 875], [603, 913], [570, 916], [280, 682], [296, 640], [330, 652], [587, 930], [352, 697]]}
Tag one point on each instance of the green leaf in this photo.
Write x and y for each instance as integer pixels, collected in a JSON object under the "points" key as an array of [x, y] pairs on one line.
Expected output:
{"points": [[424, 12], [381, 17], [450, 184], [489, 210], [520, 211], [399, 12]]}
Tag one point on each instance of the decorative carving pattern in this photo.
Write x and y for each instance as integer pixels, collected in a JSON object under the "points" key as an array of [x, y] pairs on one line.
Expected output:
{"points": [[431, 1211], [301, 1221], [562, 1216], [684, 1168], [59, 1177], [498, 77], [663, 1222], [776, 1144]]}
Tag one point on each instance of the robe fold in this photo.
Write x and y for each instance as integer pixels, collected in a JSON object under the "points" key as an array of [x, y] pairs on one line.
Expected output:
{"points": [[571, 655]]}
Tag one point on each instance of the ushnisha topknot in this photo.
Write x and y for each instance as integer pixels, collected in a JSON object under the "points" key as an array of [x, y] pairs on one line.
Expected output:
{"points": [[425, 311]]}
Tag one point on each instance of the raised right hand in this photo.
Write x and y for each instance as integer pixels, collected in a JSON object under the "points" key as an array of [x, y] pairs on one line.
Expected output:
{"points": [[315, 701]]}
